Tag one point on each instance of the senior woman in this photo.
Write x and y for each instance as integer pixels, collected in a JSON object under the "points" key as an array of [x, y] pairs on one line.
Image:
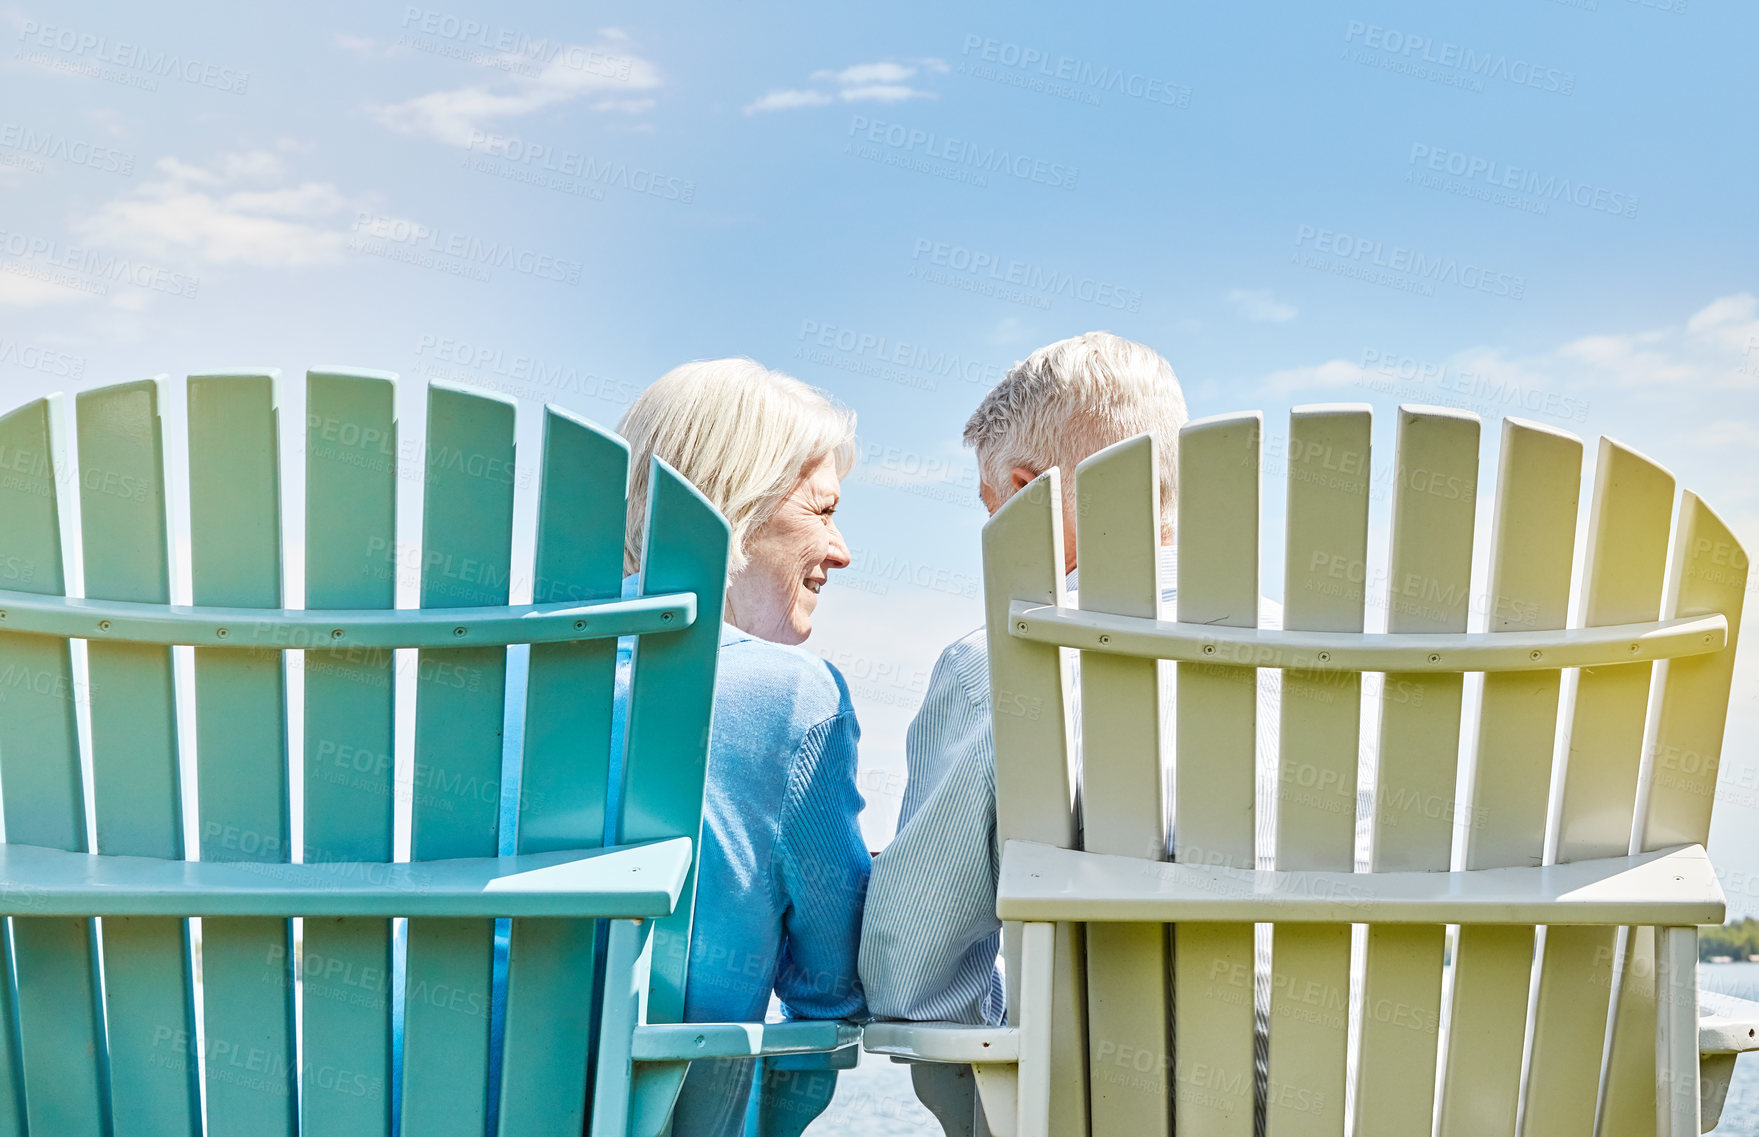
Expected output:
{"points": [[783, 866]]}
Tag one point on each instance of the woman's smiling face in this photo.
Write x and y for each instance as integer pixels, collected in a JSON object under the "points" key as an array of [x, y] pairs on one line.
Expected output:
{"points": [[788, 560]]}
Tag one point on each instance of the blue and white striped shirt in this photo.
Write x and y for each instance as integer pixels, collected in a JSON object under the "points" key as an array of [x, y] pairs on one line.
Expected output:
{"points": [[930, 934]]}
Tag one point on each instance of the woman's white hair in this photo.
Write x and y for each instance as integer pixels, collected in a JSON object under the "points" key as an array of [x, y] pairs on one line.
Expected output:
{"points": [[1072, 399], [740, 433]]}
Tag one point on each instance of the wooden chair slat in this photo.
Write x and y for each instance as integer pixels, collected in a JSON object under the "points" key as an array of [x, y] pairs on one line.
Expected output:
{"points": [[671, 699], [1623, 570], [1709, 574], [241, 753], [350, 562], [1627, 1098], [467, 526], [149, 987], [1118, 507], [1533, 544], [1430, 581], [1324, 589], [1030, 686], [58, 1015], [28, 521], [564, 775], [1216, 778]]}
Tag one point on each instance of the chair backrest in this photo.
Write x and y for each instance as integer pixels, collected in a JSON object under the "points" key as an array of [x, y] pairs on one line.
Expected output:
{"points": [[300, 1034], [1333, 784]]}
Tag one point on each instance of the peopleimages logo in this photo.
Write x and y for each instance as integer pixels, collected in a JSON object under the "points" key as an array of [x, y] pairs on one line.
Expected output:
{"points": [[1397, 258], [1413, 51], [542, 158], [512, 46], [1549, 187], [1082, 79], [87, 270], [472, 255], [131, 63], [48, 144], [970, 155], [1030, 279]]}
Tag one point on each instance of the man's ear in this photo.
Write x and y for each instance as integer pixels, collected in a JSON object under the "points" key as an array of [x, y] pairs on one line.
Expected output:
{"points": [[1022, 477]]}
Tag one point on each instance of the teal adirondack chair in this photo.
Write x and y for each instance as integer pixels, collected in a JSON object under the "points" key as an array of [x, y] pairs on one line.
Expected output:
{"points": [[337, 1031], [1134, 982]]}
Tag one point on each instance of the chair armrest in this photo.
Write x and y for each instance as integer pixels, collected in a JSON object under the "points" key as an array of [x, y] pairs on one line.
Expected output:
{"points": [[621, 882], [674, 1042], [1670, 887], [1727, 1025], [943, 1042]]}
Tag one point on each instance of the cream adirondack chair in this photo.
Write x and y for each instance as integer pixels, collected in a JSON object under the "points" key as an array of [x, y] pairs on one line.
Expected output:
{"points": [[1133, 976], [99, 1029]]}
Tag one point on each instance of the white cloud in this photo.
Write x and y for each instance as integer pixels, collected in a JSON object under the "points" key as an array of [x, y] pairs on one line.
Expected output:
{"points": [[18, 291], [1715, 349], [521, 85], [1009, 330], [868, 73], [240, 208], [886, 81], [1259, 306], [1728, 432], [362, 46], [1731, 320], [106, 119], [1329, 375], [787, 100], [1625, 360], [883, 93], [624, 106]]}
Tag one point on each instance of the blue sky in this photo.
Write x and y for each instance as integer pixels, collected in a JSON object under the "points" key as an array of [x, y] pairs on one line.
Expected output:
{"points": [[1524, 206]]}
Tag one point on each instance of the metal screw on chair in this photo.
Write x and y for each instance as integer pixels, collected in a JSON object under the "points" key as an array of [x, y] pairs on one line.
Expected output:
{"points": [[1433, 658], [1023, 627], [457, 631], [700, 1040], [1536, 653], [103, 625], [580, 625], [2, 614], [1105, 639], [221, 632], [666, 616], [1636, 647], [1325, 657], [1208, 649]]}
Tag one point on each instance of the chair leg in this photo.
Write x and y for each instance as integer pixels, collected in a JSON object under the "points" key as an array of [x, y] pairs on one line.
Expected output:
{"points": [[1677, 1105], [625, 994], [1037, 954], [949, 1092]]}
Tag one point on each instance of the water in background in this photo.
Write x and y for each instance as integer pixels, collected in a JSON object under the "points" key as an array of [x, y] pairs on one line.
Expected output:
{"points": [[875, 1099], [1740, 1114]]}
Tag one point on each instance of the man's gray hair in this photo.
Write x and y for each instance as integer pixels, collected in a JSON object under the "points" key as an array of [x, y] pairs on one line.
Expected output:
{"points": [[1072, 399]]}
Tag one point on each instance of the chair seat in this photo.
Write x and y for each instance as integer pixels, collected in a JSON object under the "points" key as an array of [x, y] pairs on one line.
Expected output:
{"points": [[944, 1042], [626, 881], [666, 1042], [1726, 1024]]}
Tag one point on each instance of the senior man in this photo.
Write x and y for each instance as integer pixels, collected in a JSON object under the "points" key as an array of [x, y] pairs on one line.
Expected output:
{"points": [[936, 961]]}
